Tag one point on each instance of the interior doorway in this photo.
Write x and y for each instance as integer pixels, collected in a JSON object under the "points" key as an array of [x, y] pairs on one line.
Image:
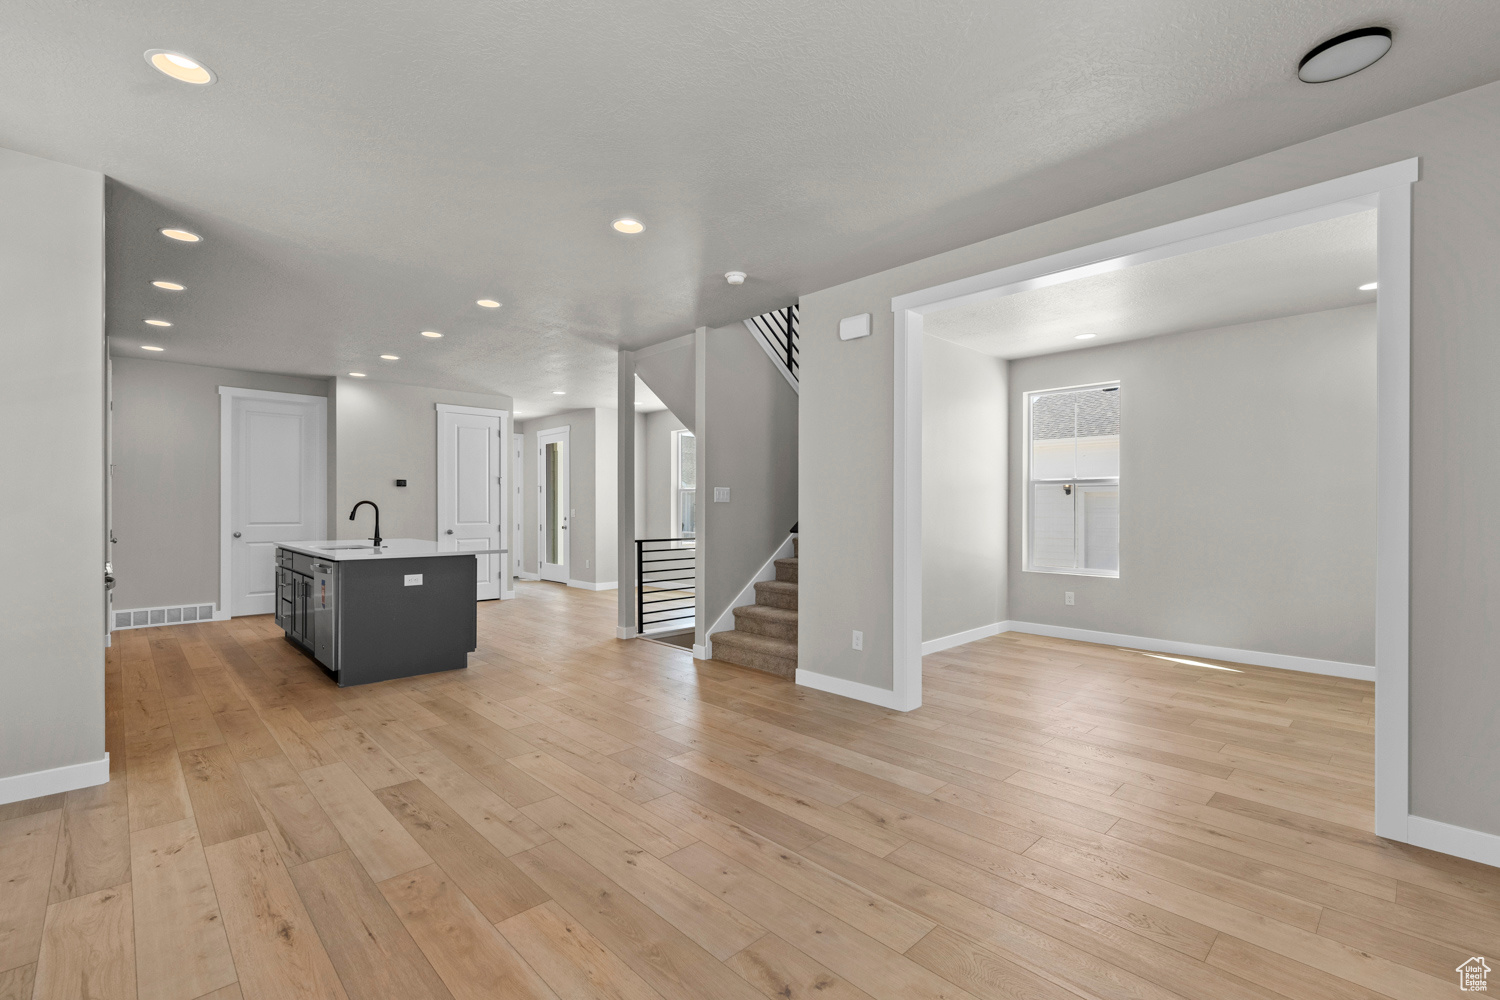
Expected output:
{"points": [[1386, 190], [273, 484], [553, 510], [472, 491]]}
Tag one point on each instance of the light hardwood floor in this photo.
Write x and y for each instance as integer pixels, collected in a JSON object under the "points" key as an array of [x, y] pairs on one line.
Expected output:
{"points": [[579, 817]]}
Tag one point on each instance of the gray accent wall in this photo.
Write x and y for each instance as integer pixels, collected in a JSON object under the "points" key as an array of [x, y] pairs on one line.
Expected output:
{"points": [[847, 412], [751, 447], [166, 490], [964, 500], [383, 431], [672, 375], [52, 518], [654, 466], [1247, 488], [593, 476]]}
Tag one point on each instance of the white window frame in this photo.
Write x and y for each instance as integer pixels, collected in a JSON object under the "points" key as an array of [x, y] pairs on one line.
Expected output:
{"points": [[1079, 486], [677, 488]]}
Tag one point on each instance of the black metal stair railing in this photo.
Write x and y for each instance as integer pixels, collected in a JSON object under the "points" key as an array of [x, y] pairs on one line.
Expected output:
{"points": [[665, 579], [779, 328]]}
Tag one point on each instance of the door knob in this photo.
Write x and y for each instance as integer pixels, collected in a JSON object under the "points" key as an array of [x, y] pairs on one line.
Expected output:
{"points": [[236, 534], [450, 531]]}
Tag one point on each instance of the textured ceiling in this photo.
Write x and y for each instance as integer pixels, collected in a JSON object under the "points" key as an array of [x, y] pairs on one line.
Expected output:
{"points": [[365, 171], [1302, 270]]}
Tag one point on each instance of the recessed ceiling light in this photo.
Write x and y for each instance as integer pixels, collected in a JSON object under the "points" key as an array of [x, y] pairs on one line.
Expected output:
{"points": [[180, 67], [157, 322], [629, 226], [356, 374], [170, 286], [390, 357], [488, 303], [181, 234], [1344, 55], [431, 333], [148, 347], [1370, 287], [558, 392], [1086, 336], [735, 277]]}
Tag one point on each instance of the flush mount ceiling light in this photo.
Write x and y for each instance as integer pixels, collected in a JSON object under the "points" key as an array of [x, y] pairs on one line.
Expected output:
{"points": [[735, 277], [1370, 287], [558, 392], [148, 347], [628, 226], [1344, 55], [182, 235], [488, 303], [431, 333], [390, 357], [356, 374], [170, 286], [180, 67], [1086, 336], [157, 322]]}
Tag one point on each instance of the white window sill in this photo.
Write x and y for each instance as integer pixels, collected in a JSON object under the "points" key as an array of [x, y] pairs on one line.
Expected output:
{"points": [[1111, 574]]}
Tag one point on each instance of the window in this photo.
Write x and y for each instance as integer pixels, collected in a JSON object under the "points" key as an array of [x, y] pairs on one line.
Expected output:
{"points": [[685, 482], [1073, 492]]}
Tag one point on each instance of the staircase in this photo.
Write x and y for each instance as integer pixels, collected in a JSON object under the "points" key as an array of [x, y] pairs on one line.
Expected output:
{"points": [[765, 633]]}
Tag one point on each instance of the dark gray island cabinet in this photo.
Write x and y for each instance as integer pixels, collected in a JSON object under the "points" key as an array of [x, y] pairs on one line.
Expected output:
{"points": [[368, 614]]}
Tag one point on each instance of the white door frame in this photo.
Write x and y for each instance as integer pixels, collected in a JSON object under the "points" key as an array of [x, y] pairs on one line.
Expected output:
{"points": [[1386, 189], [507, 585], [227, 396], [518, 513], [563, 434]]}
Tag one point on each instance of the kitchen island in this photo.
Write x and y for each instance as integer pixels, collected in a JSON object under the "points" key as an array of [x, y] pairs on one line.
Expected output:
{"points": [[367, 612]]}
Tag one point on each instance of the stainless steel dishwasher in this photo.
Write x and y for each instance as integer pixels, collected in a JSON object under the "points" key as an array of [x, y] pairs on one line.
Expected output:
{"points": [[323, 618]]}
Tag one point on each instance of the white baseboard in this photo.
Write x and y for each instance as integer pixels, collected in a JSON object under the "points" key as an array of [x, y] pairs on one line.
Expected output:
{"points": [[1459, 841], [1279, 661], [725, 621], [703, 652], [521, 574], [585, 585], [959, 638], [852, 689], [19, 787], [624, 632]]}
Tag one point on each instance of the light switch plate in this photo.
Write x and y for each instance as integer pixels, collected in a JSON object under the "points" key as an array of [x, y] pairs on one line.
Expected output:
{"points": [[859, 639], [854, 327], [721, 494], [414, 579]]}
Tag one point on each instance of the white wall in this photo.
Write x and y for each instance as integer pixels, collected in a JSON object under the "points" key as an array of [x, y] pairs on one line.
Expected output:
{"points": [[964, 502], [166, 489], [52, 409], [1247, 488], [847, 445]]}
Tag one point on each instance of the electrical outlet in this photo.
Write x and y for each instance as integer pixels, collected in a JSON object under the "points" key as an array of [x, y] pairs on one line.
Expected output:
{"points": [[859, 639], [1067, 597], [585, 564], [413, 579]]}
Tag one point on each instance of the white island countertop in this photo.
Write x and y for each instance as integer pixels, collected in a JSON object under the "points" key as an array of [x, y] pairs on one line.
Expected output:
{"points": [[349, 550]]}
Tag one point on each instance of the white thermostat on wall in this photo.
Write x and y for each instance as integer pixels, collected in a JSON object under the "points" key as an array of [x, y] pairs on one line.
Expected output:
{"points": [[854, 327], [414, 579]]}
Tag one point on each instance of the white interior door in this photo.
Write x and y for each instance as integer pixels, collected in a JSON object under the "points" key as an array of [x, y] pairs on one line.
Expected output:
{"points": [[276, 490], [552, 504], [517, 504], [471, 490]]}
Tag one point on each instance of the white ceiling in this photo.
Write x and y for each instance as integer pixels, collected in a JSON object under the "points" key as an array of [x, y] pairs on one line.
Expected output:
{"points": [[362, 172], [1287, 273]]}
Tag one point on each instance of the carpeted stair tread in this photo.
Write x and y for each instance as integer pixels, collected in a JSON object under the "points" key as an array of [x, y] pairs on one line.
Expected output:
{"points": [[760, 652], [786, 570], [777, 594], [762, 619]]}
